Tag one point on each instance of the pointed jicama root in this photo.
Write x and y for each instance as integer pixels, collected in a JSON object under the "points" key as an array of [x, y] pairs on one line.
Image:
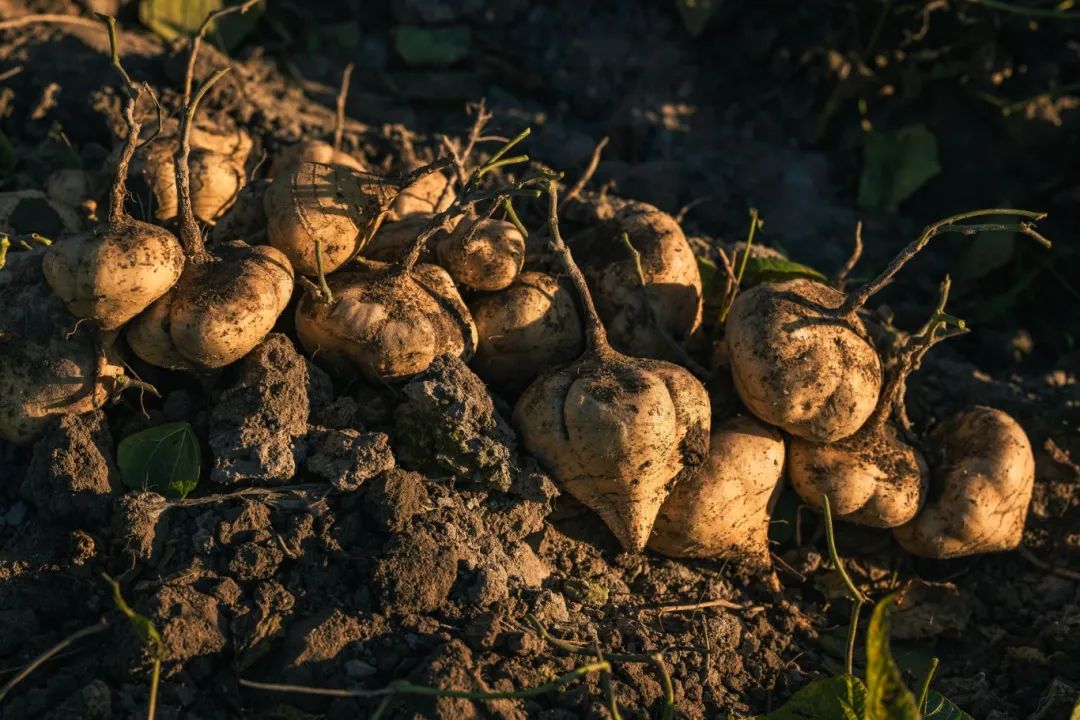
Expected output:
{"points": [[613, 430], [524, 330], [722, 508], [984, 473]]}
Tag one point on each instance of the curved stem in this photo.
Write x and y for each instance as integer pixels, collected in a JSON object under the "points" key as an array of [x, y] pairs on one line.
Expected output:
{"points": [[119, 188], [196, 42], [595, 335], [339, 117], [859, 296], [190, 236], [924, 689]]}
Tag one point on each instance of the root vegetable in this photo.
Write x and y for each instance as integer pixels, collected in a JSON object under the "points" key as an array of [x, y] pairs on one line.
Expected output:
{"points": [[430, 194], [613, 430], [313, 207], [315, 151], [669, 271], [70, 187], [524, 330], [217, 173], [113, 272], [388, 324], [983, 476], [483, 254], [722, 508], [224, 303], [49, 364], [392, 240], [799, 366]]}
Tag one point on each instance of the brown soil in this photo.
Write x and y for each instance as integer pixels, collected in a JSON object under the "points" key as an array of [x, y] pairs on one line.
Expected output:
{"points": [[400, 534]]}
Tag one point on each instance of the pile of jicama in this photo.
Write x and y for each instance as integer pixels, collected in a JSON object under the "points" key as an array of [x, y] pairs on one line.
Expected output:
{"points": [[390, 272]]}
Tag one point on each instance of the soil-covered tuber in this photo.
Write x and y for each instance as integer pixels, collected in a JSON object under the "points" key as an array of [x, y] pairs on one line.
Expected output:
{"points": [[115, 271], [389, 325], [524, 330], [722, 508], [983, 476], [429, 194], [314, 208], [643, 321], [316, 151], [799, 366], [613, 430], [483, 254]]}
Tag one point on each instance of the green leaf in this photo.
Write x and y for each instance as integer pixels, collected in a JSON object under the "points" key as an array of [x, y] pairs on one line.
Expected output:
{"points": [[841, 697], [993, 250], [773, 269], [172, 19], [938, 707], [895, 165], [887, 698], [164, 459], [710, 276], [696, 13], [432, 46], [8, 156]]}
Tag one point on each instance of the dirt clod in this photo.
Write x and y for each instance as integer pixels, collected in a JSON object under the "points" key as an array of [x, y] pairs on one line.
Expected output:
{"points": [[415, 573], [347, 458]]}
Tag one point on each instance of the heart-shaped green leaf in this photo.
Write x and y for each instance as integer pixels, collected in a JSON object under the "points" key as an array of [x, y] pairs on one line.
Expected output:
{"points": [[165, 459], [895, 165], [841, 697], [887, 698], [774, 269], [938, 707]]}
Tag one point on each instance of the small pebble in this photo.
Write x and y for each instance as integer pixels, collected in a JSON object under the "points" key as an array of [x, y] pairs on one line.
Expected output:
{"points": [[16, 514]]}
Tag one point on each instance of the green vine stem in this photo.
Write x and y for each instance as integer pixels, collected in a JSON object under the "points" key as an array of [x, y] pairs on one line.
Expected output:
{"points": [[149, 634], [755, 224], [924, 689], [856, 595]]}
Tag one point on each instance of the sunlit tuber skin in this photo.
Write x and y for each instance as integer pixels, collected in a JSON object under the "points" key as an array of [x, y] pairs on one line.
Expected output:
{"points": [[247, 216], [722, 508], [316, 151], [224, 303], [428, 195], [524, 330], [31, 211], [49, 364], [218, 172], [483, 254], [313, 204], [613, 430], [872, 478], [672, 280], [115, 271], [876, 477], [983, 476], [797, 365], [388, 326]]}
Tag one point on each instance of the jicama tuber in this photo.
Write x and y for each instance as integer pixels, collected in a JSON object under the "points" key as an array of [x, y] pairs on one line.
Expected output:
{"points": [[115, 271], [722, 508], [483, 253], [613, 430], [983, 476], [316, 151], [524, 330], [644, 321]]}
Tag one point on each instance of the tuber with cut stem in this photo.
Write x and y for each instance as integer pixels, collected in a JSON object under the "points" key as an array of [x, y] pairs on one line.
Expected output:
{"points": [[722, 508], [983, 476], [644, 321], [524, 330], [483, 253], [613, 430], [113, 272]]}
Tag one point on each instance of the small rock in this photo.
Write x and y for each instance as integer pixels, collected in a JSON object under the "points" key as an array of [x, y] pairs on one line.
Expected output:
{"points": [[347, 458], [359, 669], [16, 514]]}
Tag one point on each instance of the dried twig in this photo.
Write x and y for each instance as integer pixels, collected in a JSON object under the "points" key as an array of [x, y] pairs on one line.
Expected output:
{"points": [[716, 602], [45, 656], [196, 42], [853, 259], [590, 170], [1043, 565], [47, 18], [342, 96]]}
